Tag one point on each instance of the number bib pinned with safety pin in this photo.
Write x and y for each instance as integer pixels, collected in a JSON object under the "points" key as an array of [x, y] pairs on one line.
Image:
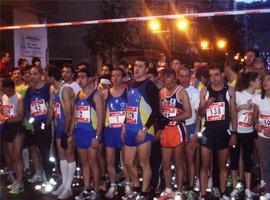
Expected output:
{"points": [[132, 115], [216, 111], [82, 114], [38, 108], [264, 121], [117, 119], [246, 119]]}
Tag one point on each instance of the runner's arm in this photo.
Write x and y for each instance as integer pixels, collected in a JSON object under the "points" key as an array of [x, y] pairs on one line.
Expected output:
{"points": [[233, 111], [50, 108], [100, 110], [67, 102]]}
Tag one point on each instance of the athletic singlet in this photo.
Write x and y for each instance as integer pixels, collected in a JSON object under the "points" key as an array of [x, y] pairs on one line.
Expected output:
{"points": [[138, 109], [10, 105], [217, 116], [86, 118], [244, 117], [171, 106], [36, 101], [115, 110], [194, 99], [264, 113], [58, 109]]}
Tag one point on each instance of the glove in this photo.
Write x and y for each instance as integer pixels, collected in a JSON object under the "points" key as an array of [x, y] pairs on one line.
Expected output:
{"points": [[64, 138]]}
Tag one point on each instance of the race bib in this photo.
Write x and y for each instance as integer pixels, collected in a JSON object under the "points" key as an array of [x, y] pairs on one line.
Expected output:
{"points": [[264, 121], [57, 110], [117, 119], [9, 110], [132, 115], [38, 108], [82, 114], [169, 112], [216, 111], [246, 119]]}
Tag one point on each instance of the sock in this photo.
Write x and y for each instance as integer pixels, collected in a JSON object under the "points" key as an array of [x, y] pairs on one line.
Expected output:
{"points": [[64, 171], [25, 155], [71, 168]]}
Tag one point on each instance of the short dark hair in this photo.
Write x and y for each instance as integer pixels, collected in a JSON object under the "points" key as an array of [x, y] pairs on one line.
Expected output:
{"points": [[88, 71], [233, 64], [169, 72], [143, 59], [3, 53], [109, 65], [255, 51], [15, 69], [55, 72], [21, 61], [38, 68], [153, 71], [8, 83], [218, 66], [35, 59], [86, 64], [119, 69], [186, 68], [67, 65]]}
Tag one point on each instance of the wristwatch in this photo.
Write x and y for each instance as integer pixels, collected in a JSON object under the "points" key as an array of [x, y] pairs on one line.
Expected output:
{"points": [[98, 138], [144, 129]]}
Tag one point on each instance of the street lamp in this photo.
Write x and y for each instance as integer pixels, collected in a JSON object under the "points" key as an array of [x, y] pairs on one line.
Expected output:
{"points": [[182, 24], [204, 44], [154, 25], [221, 44]]}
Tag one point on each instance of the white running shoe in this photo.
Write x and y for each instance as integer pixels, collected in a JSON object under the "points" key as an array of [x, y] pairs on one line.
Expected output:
{"points": [[11, 186], [112, 191], [178, 196], [19, 188], [59, 190], [65, 194], [34, 179], [265, 197], [234, 194]]}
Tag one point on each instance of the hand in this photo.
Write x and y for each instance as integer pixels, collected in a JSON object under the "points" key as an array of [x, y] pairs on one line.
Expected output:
{"points": [[233, 141], [95, 143], [210, 101], [64, 138], [141, 136], [158, 134]]}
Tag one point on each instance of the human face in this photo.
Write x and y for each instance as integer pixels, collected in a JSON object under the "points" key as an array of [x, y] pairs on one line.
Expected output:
{"points": [[36, 76], [169, 81], [24, 64], [7, 58], [176, 65], [256, 83], [184, 77], [139, 69], [259, 68], [37, 63], [250, 57], [27, 76], [83, 80], [216, 77], [266, 83], [117, 77], [105, 70], [151, 77], [8, 91], [16, 75], [67, 74]]}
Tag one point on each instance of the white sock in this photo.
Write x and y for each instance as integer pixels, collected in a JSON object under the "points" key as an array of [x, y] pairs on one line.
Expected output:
{"points": [[25, 155], [64, 171], [70, 174]]}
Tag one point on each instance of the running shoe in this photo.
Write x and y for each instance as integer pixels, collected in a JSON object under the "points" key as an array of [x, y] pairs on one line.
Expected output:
{"points": [[11, 186], [265, 197], [215, 192], [197, 184], [66, 194], [224, 197], [19, 188], [112, 191], [167, 194], [133, 195], [35, 178], [234, 194], [191, 195], [178, 196], [94, 195], [83, 195], [46, 187]]}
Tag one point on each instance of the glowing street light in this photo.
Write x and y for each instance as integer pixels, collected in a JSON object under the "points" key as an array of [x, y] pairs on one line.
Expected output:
{"points": [[221, 43], [182, 24], [154, 25], [204, 44]]}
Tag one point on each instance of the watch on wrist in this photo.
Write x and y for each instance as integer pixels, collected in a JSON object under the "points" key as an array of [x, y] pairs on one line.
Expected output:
{"points": [[98, 138], [144, 129]]}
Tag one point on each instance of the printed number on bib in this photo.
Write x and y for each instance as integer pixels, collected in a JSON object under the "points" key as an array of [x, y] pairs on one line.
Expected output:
{"points": [[264, 121], [83, 114], [216, 111], [116, 119], [57, 110], [132, 115], [38, 108], [245, 119], [9, 110], [169, 112]]}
